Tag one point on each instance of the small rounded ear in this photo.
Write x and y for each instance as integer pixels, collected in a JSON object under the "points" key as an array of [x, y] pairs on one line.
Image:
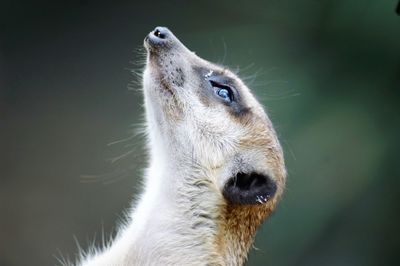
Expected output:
{"points": [[249, 189]]}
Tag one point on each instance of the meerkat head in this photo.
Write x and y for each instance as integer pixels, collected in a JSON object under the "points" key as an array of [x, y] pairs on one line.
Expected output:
{"points": [[203, 116]]}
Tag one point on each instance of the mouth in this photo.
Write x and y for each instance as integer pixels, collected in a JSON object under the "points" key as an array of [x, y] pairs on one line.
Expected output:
{"points": [[165, 53]]}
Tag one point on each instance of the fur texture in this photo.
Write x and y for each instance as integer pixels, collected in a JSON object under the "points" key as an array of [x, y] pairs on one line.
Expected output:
{"points": [[196, 143]]}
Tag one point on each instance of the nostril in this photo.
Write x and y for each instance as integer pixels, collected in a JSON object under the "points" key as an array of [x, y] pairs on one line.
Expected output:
{"points": [[158, 33], [159, 38]]}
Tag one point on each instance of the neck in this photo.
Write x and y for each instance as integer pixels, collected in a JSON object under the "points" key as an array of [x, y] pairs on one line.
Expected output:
{"points": [[182, 217]]}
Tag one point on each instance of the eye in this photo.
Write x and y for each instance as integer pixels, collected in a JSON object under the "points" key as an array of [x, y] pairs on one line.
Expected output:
{"points": [[223, 91], [224, 94]]}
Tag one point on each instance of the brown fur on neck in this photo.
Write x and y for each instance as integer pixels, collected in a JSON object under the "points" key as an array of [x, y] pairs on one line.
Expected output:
{"points": [[238, 229], [239, 223]]}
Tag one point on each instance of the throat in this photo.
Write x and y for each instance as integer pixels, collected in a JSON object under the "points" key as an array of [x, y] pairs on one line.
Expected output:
{"points": [[191, 220], [177, 219]]}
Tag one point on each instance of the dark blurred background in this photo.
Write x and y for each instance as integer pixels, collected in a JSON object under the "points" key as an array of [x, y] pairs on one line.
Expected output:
{"points": [[328, 73]]}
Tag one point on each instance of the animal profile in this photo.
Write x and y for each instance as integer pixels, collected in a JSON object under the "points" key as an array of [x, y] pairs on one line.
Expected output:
{"points": [[215, 171]]}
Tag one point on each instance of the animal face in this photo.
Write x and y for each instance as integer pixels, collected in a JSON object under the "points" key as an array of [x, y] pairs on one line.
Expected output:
{"points": [[202, 116]]}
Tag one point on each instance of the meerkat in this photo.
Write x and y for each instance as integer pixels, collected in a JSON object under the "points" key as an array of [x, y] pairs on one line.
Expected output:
{"points": [[216, 169]]}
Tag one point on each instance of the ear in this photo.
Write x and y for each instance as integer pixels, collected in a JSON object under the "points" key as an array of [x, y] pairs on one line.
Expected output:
{"points": [[249, 189]]}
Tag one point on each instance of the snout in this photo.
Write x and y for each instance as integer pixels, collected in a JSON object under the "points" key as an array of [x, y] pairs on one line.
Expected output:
{"points": [[162, 39], [158, 37]]}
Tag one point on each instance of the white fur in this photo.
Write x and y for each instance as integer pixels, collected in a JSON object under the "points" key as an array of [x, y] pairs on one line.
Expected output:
{"points": [[194, 148]]}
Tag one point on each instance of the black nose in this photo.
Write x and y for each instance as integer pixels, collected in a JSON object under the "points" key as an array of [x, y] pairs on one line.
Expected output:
{"points": [[159, 37], [161, 32]]}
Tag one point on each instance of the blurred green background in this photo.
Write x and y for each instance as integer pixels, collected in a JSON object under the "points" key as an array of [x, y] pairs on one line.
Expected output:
{"points": [[328, 73]]}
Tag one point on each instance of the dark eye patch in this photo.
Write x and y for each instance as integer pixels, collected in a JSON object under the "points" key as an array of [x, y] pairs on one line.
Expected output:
{"points": [[214, 81]]}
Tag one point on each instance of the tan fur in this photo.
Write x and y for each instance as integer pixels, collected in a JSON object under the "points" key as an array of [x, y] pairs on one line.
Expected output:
{"points": [[196, 144], [240, 223]]}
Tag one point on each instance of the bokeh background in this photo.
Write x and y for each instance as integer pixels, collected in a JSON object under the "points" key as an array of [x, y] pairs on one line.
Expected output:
{"points": [[328, 73]]}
